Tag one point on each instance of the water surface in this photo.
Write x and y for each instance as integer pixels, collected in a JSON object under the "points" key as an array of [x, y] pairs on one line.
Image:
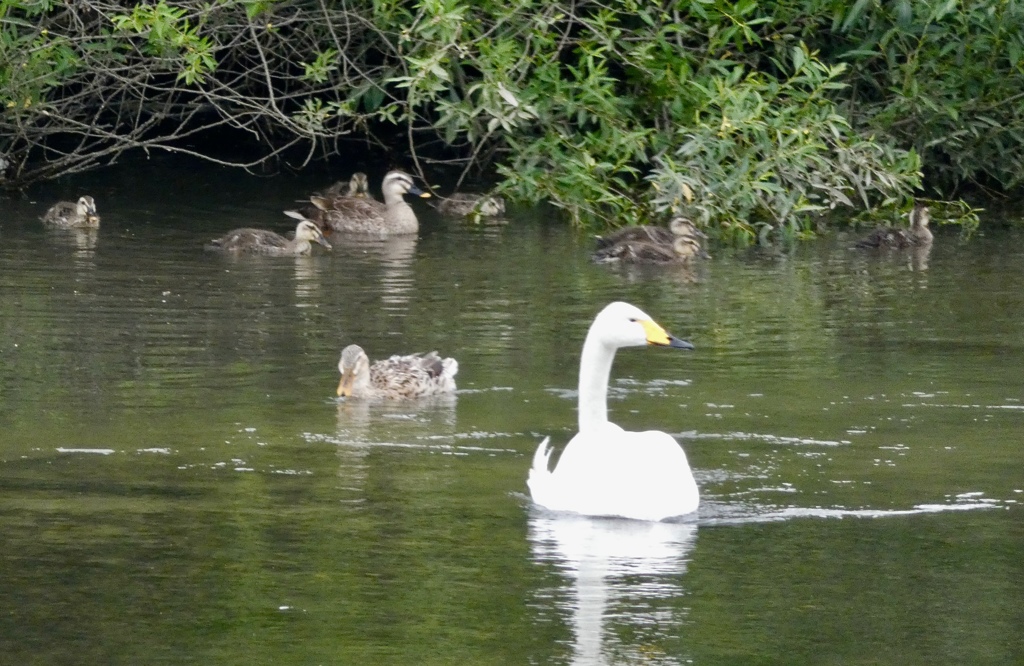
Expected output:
{"points": [[180, 486]]}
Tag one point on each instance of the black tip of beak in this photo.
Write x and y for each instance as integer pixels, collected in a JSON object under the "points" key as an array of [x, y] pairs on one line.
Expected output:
{"points": [[678, 344]]}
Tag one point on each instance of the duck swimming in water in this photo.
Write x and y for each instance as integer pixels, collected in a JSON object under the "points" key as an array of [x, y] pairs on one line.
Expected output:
{"points": [[79, 214], [364, 216], [464, 204], [395, 378], [261, 241], [918, 235], [681, 242], [358, 186], [605, 470]]}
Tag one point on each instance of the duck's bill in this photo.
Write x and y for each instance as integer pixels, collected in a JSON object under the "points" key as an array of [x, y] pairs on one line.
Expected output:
{"points": [[345, 385], [656, 335], [418, 192], [323, 241]]}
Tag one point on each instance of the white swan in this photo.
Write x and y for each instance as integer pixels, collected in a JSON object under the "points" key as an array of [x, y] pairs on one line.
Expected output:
{"points": [[605, 470]]}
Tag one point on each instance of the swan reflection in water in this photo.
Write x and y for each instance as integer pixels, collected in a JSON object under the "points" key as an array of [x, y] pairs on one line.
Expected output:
{"points": [[628, 570]]}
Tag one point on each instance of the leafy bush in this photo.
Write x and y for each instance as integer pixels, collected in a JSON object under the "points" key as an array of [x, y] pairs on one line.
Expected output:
{"points": [[945, 78], [620, 115], [766, 154], [750, 117]]}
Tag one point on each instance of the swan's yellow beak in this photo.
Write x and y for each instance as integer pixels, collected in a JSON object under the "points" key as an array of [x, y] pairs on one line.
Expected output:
{"points": [[345, 385], [656, 335]]}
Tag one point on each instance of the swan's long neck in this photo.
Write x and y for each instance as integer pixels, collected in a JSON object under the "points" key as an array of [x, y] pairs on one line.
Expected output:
{"points": [[595, 367]]}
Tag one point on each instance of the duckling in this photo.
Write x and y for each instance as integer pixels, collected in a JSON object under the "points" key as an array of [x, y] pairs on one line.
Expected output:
{"points": [[917, 235], [464, 204], [261, 241], [354, 215], [395, 378], [358, 186], [73, 215], [678, 226], [682, 250], [681, 242]]}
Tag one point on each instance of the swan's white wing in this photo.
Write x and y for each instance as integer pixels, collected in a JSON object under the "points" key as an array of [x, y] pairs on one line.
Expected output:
{"points": [[539, 480], [612, 472]]}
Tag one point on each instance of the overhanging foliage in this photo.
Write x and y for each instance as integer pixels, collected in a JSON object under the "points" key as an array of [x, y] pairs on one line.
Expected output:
{"points": [[750, 117]]}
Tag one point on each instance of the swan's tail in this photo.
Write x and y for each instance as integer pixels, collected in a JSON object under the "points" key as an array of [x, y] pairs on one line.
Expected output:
{"points": [[539, 473]]}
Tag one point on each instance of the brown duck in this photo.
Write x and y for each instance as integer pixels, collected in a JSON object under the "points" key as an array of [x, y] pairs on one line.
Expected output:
{"points": [[645, 244], [79, 214], [364, 216], [917, 235], [261, 241], [394, 378]]}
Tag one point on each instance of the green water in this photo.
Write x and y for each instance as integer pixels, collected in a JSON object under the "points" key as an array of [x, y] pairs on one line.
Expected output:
{"points": [[178, 485]]}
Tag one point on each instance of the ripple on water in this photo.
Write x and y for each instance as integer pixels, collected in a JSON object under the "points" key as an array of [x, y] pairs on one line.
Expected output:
{"points": [[767, 438], [809, 470], [715, 513], [623, 388], [430, 443]]}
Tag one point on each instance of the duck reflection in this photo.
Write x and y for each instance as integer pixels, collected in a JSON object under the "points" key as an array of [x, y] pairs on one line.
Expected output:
{"points": [[396, 423], [394, 256], [396, 252], [682, 273], [307, 280], [614, 564], [919, 257], [353, 420], [82, 241]]}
